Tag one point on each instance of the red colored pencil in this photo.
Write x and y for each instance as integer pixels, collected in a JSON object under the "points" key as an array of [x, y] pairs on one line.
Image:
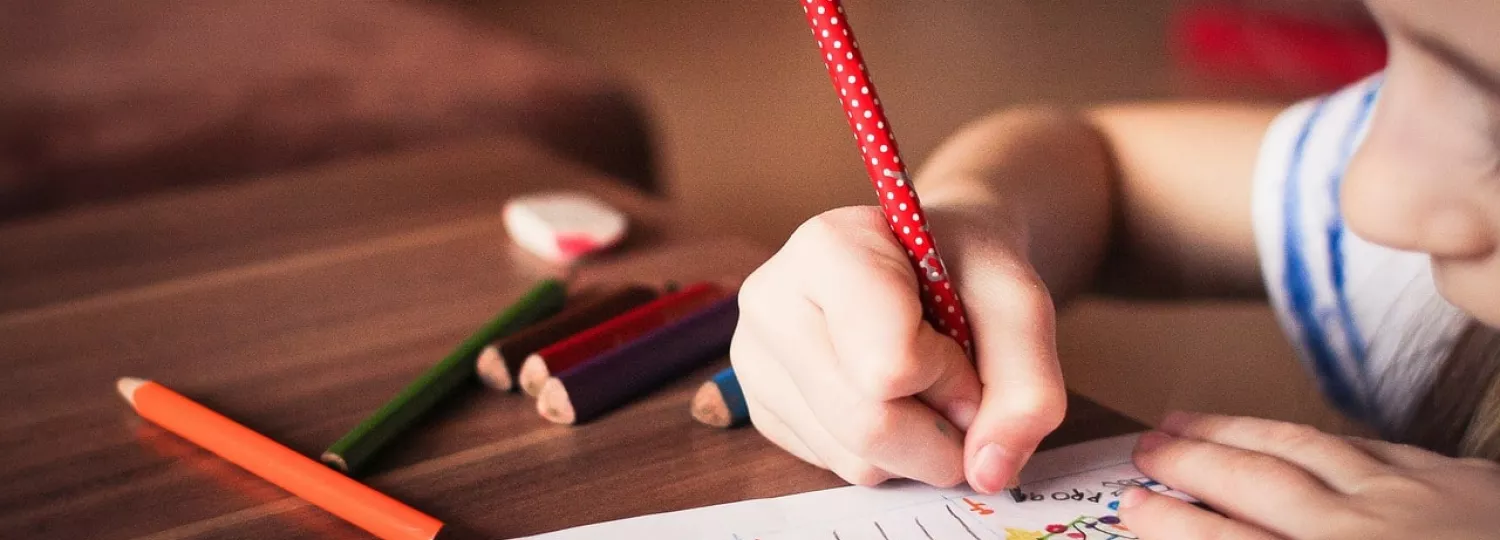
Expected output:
{"points": [[622, 329], [877, 147], [500, 362]]}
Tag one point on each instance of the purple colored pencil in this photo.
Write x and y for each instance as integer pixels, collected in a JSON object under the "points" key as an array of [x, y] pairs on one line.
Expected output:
{"points": [[613, 378]]}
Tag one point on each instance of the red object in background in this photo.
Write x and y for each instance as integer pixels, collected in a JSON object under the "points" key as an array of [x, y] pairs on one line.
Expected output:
{"points": [[1307, 53], [877, 148]]}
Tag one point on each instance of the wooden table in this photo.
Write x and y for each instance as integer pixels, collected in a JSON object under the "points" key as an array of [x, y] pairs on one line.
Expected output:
{"points": [[299, 303]]}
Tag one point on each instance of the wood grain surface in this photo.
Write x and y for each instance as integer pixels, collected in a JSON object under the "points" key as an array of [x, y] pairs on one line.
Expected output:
{"points": [[296, 305]]}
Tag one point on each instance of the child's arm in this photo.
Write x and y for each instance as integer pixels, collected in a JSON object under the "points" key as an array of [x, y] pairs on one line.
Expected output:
{"points": [[831, 351], [1137, 200]]}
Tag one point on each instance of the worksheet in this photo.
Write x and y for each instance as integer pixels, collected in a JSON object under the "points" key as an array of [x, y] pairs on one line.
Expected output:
{"points": [[1072, 493]]}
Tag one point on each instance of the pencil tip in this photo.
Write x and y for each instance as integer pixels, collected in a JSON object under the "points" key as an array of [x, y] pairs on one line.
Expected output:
{"points": [[533, 374], [127, 386], [553, 404], [336, 461], [1016, 495], [708, 406], [492, 370]]}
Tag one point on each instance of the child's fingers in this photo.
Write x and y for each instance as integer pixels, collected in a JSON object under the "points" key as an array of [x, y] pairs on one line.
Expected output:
{"points": [[763, 379], [1023, 394], [775, 430], [1159, 517], [1400, 455], [1340, 464], [902, 436], [866, 290], [1249, 486], [838, 306]]}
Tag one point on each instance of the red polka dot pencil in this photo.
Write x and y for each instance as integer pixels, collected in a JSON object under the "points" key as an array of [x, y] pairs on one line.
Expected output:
{"points": [[877, 148]]}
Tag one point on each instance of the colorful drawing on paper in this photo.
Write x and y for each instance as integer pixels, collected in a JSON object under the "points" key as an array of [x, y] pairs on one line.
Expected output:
{"points": [[1070, 494], [1089, 528], [1075, 504]]}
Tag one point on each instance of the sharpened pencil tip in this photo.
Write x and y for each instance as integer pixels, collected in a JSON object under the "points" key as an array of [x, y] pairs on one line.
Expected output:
{"points": [[1016, 495], [492, 370], [553, 404], [708, 406], [336, 461], [533, 374], [127, 386]]}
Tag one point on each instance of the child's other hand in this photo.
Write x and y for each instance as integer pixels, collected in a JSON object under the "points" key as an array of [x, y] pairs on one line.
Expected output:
{"points": [[1276, 480], [840, 369]]}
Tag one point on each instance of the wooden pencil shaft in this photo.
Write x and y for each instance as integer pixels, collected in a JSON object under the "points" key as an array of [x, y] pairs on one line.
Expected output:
{"points": [[533, 375], [638, 367], [637, 322], [887, 172], [355, 449], [734, 397], [352, 501], [515, 349], [707, 406]]}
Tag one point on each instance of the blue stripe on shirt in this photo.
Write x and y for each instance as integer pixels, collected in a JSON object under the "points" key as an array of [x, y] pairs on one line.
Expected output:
{"points": [[1301, 297], [1352, 337]]}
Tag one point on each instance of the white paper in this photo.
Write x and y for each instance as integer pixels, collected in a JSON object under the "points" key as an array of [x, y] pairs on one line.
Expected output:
{"points": [[1072, 495]]}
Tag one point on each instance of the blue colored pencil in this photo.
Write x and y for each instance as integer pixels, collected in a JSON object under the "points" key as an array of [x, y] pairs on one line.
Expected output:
{"points": [[720, 402]]}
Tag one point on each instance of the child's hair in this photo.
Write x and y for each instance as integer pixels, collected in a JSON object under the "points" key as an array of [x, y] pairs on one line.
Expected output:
{"points": [[1459, 415]]}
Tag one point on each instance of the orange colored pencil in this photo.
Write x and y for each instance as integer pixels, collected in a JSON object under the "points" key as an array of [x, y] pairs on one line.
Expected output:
{"points": [[315, 483]]}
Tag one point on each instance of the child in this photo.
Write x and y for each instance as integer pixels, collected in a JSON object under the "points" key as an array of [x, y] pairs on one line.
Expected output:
{"points": [[1371, 218]]}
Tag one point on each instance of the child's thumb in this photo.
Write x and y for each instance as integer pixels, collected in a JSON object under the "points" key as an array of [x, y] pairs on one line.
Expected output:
{"points": [[1023, 397]]}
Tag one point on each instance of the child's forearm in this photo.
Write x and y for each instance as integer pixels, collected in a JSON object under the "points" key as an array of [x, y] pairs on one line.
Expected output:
{"points": [[1040, 175], [1139, 200]]}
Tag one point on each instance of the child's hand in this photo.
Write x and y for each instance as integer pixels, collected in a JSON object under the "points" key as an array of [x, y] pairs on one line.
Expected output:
{"points": [[1277, 480], [839, 368]]}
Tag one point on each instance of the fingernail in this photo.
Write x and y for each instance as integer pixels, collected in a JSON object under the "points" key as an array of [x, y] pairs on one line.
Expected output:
{"points": [[1151, 440], [1132, 497], [962, 413], [993, 468]]}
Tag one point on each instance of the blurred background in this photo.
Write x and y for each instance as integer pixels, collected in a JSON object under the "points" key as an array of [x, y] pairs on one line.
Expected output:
{"points": [[720, 106]]}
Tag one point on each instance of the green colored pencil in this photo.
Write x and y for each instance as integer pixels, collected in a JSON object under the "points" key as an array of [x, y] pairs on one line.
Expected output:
{"points": [[356, 448]]}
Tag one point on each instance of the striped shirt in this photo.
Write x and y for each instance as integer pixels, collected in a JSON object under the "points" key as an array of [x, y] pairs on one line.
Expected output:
{"points": [[1366, 320]]}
